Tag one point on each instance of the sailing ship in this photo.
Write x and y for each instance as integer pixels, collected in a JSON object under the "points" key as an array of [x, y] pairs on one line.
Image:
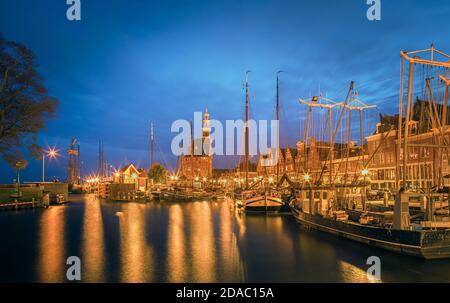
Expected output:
{"points": [[258, 197], [425, 233]]}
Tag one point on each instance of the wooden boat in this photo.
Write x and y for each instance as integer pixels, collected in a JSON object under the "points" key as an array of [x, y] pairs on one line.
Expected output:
{"points": [[181, 195], [393, 231], [254, 201]]}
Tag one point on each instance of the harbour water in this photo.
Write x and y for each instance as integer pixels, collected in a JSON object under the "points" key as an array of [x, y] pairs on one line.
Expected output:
{"points": [[186, 242]]}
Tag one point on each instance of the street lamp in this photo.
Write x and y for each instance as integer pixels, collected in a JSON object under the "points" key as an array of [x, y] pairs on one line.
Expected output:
{"points": [[52, 153], [306, 177]]}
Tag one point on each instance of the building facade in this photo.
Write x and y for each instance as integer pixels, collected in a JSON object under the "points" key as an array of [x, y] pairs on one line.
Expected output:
{"points": [[375, 161], [199, 164]]}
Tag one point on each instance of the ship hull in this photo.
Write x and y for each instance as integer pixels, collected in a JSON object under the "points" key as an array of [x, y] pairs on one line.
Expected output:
{"points": [[421, 244], [263, 204]]}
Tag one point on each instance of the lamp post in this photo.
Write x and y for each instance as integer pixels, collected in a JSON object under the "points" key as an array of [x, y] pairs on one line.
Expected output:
{"points": [[19, 165]]}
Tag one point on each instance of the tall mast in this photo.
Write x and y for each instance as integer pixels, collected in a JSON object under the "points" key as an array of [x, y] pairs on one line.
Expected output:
{"points": [[331, 154], [279, 123], [152, 138], [398, 168], [103, 161], [348, 142], [79, 165], [407, 119], [308, 118], [100, 158], [192, 155], [246, 130]]}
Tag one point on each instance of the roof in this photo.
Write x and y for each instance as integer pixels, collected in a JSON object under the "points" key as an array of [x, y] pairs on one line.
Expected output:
{"points": [[420, 113], [127, 167]]}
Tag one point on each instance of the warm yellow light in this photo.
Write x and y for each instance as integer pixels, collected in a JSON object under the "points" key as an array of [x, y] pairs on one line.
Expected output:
{"points": [[204, 179], [117, 174], [270, 179], [196, 178], [52, 153], [172, 178]]}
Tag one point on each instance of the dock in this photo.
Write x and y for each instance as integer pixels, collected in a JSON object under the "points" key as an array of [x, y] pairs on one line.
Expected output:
{"points": [[22, 205]]}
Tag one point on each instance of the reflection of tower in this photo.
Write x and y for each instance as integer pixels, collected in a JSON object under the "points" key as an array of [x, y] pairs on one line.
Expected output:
{"points": [[74, 162]]}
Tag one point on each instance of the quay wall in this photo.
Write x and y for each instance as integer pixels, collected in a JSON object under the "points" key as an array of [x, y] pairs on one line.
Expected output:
{"points": [[32, 191]]}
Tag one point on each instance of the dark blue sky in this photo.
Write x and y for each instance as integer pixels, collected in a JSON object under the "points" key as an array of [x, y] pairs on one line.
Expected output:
{"points": [[127, 63]]}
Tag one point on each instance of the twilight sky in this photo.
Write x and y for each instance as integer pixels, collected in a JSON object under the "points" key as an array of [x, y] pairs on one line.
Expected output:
{"points": [[127, 63]]}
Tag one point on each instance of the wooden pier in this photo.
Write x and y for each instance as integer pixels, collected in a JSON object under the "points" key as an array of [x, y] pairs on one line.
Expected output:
{"points": [[22, 205]]}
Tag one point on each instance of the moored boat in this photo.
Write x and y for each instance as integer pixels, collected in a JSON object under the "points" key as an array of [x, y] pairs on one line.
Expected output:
{"points": [[394, 231], [254, 201]]}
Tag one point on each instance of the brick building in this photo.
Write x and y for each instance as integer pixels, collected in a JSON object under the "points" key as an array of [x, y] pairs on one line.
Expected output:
{"points": [[293, 162], [200, 164], [423, 169]]}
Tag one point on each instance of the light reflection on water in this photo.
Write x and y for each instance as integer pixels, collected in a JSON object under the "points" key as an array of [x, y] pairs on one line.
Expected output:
{"points": [[176, 257], [93, 241], [136, 254], [186, 242], [51, 239]]}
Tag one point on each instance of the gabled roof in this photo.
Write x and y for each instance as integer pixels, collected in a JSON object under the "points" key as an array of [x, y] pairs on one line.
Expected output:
{"points": [[129, 167]]}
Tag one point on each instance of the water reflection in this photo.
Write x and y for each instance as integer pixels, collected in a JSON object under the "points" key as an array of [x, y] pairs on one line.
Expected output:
{"points": [[93, 252], [136, 256], [353, 274], [189, 242], [176, 257], [202, 243], [231, 263], [51, 243]]}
